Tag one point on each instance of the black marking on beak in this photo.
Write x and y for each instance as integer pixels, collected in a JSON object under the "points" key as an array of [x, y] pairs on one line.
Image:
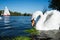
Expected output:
{"points": [[32, 20]]}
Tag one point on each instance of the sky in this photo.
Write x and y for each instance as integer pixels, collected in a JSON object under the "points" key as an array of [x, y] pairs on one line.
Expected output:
{"points": [[28, 6]]}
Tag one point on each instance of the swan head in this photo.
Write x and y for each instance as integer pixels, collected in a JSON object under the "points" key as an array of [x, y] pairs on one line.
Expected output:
{"points": [[34, 17]]}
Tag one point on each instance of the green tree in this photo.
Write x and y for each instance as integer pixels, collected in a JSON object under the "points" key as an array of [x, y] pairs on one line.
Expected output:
{"points": [[54, 4], [15, 13], [1, 11], [25, 14]]}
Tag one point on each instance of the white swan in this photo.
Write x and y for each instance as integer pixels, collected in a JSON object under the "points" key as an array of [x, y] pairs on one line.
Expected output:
{"points": [[49, 21]]}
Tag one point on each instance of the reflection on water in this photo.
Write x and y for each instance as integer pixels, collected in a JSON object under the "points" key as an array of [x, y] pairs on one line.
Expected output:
{"points": [[14, 25], [6, 20]]}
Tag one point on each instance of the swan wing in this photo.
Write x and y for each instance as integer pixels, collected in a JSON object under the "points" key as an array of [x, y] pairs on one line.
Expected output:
{"points": [[51, 20], [48, 16]]}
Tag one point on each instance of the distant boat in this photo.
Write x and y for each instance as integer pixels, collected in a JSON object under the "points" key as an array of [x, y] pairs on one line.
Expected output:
{"points": [[6, 12]]}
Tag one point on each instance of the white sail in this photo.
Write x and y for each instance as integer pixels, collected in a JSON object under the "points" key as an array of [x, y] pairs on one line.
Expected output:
{"points": [[6, 12]]}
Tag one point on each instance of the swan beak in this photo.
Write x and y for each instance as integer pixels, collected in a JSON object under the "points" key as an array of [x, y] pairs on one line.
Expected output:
{"points": [[33, 22]]}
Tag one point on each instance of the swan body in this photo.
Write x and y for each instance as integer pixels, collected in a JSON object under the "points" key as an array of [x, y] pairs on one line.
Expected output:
{"points": [[49, 21]]}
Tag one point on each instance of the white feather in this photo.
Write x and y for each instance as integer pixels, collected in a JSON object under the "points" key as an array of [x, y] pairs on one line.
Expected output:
{"points": [[49, 21]]}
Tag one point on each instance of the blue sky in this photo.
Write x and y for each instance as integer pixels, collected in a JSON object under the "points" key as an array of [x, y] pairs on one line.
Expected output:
{"points": [[23, 6]]}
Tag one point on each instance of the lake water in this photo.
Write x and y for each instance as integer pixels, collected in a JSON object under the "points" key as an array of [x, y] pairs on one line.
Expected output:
{"points": [[15, 25]]}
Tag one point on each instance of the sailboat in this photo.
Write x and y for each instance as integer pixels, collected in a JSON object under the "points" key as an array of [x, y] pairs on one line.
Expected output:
{"points": [[6, 12]]}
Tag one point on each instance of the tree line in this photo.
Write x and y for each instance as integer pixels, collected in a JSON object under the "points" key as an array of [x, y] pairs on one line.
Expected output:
{"points": [[53, 4], [16, 13]]}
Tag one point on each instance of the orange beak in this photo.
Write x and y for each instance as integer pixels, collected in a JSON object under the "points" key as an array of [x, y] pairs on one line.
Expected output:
{"points": [[33, 22]]}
